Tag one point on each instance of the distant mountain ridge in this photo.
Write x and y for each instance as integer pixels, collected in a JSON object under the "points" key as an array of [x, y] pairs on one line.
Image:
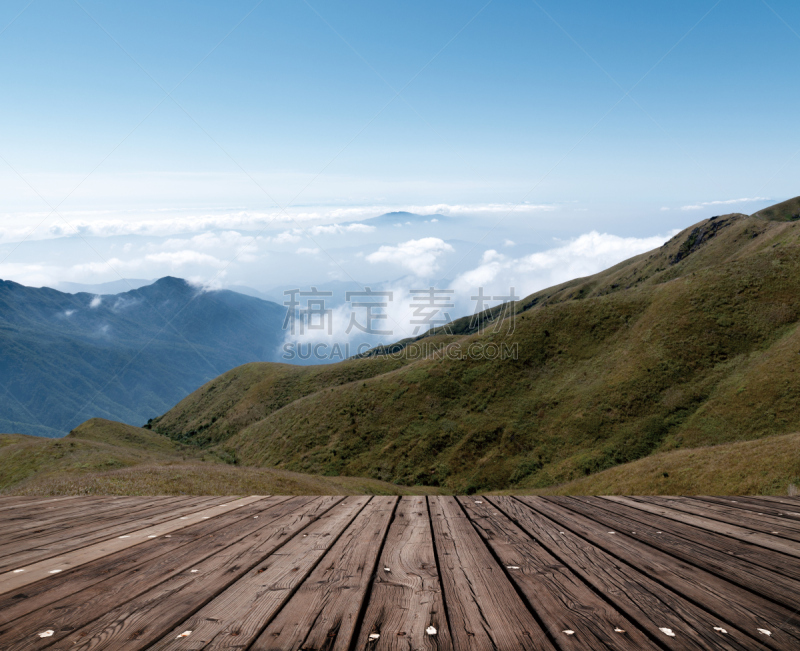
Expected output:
{"points": [[127, 357], [403, 217], [112, 287]]}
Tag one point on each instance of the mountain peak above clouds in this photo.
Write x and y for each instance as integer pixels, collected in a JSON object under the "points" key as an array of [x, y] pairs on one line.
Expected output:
{"points": [[403, 217]]}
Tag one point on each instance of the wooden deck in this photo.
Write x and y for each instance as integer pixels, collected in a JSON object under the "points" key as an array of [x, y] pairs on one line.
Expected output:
{"points": [[281, 572]]}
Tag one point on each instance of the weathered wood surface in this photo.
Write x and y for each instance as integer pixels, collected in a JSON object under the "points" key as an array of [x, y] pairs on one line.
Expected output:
{"points": [[143, 620], [361, 573], [753, 520], [650, 604], [406, 597], [217, 530], [560, 599], [738, 561], [81, 531], [734, 531], [26, 574], [483, 608], [735, 607], [325, 610], [239, 614]]}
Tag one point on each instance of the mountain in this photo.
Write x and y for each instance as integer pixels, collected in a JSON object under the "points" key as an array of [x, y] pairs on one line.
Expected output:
{"points": [[101, 457], [693, 344], [113, 287], [128, 357], [402, 217]]}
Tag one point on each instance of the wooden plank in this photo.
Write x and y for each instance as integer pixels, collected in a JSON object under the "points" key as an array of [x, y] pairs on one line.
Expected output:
{"points": [[186, 545], [14, 580], [14, 502], [36, 504], [325, 610], [560, 599], [769, 542], [484, 610], [38, 549], [750, 551], [748, 566], [406, 595], [733, 607], [143, 620], [24, 520], [753, 520], [786, 512], [76, 533], [28, 534], [238, 615], [642, 599], [121, 593], [780, 499]]}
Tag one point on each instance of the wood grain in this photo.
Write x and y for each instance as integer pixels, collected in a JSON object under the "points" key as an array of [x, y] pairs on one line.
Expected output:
{"points": [[406, 597], [238, 615], [559, 597], [367, 573], [44, 569], [750, 566], [753, 520], [324, 612], [650, 605], [40, 544], [146, 618], [483, 608], [786, 512], [735, 607], [186, 543], [740, 533]]}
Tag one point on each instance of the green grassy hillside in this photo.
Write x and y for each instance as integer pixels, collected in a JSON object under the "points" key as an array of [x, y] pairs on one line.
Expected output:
{"points": [[102, 457], [693, 344], [768, 466]]}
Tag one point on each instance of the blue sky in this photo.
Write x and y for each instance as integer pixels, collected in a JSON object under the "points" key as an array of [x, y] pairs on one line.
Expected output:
{"points": [[535, 123]]}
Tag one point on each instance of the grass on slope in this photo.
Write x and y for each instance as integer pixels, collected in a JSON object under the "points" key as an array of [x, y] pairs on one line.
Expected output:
{"points": [[103, 457], [769, 466], [249, 393], [692, 344]]}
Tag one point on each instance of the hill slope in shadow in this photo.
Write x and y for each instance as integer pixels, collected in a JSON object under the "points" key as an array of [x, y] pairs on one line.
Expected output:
{"points": [[128, 357]]}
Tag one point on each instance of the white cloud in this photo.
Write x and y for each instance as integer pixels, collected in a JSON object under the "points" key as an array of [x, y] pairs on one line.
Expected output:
{"points": [[330, 229], [237, 245], [509, 243], [491, 256], [177, 259], [304, 251], [123, 303], [418, 256], [95, 302], [210, 240], [583, 256], [30, 274], [287, 237], [726, 202], [168, 222]]}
